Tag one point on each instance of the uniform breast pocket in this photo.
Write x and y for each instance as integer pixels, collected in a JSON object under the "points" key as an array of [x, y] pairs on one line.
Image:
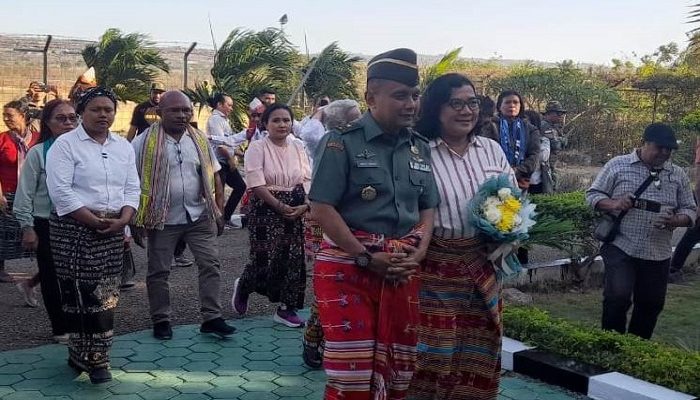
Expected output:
{"points": [[419, 180], [367, 174]]}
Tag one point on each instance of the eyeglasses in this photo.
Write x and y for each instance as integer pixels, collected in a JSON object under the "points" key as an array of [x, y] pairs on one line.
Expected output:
{"points": [[459, 104], [63, 118]]}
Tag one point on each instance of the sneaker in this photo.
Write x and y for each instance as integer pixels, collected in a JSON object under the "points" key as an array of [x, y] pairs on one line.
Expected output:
{"points": [[239, 301], [182, 261], [162, 330], [5, 277], [218, 327], [29, 294], [288, 317], [127, 285], [100, 375], [61, 339]]}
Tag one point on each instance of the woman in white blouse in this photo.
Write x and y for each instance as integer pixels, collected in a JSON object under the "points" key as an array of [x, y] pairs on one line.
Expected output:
{"points": [[459, 338], [279, 174], [94, 188]]}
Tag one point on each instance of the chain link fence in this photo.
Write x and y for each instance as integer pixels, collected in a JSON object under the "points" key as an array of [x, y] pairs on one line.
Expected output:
{"points": [[22, 61]]}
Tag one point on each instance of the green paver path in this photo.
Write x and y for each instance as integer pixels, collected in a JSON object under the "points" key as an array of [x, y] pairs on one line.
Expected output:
{"points": [[261, 361]]}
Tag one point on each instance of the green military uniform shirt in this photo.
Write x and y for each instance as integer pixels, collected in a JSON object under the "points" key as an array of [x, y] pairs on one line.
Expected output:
{"points": [[378, 183]]}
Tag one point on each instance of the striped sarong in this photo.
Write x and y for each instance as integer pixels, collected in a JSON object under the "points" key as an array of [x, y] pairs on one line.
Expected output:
{"points": [[11, 234], [369, 324], [89, 268], [459, 337]]}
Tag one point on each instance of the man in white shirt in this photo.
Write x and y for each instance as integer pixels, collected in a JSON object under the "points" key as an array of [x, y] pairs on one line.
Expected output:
{"points": [[180, 200], [219, 132]]}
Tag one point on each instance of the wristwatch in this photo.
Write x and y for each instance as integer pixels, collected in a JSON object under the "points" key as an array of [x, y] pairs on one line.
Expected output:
{"points": [[363, 259]]}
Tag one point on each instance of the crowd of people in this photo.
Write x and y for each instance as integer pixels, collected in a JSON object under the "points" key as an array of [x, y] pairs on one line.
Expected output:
{"points": [[407, 304]]}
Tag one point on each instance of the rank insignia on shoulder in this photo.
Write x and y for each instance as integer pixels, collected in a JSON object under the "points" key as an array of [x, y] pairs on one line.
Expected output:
{"points": [[338, 146]]}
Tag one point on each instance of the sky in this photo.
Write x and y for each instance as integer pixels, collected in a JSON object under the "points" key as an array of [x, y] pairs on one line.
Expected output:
{"points": [[587, 31]]}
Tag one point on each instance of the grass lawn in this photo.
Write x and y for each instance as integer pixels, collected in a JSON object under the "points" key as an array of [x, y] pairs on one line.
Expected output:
{"points": [[678, 325]]}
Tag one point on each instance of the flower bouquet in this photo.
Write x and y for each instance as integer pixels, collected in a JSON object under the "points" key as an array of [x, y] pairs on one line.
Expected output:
{"points": [[502, 215]]}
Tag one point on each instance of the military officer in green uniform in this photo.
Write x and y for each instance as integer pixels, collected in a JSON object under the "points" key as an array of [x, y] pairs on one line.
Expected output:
{"points": [[374, 196], [552, 125]]}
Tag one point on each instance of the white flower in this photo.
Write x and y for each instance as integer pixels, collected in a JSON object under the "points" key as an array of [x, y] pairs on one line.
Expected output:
{"points": [[491, 201], [492, 215], [504, 193]]}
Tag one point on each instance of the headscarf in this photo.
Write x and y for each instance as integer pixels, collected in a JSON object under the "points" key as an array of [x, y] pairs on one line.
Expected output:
{"points": [[92, 93]]}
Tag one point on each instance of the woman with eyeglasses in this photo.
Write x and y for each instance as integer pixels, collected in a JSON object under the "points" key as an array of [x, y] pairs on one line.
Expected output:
{"points": [[459, 336], [519, 139], [94, 189], [32, 208], [14, 145]]}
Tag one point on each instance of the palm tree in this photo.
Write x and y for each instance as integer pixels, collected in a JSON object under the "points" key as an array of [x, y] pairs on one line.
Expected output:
{"points": [[447, 63], [250, 61], [332, 73], [127, 63]]}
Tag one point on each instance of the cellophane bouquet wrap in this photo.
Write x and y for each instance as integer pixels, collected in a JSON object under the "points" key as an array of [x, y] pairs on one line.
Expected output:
{"points": [[502, 215]]}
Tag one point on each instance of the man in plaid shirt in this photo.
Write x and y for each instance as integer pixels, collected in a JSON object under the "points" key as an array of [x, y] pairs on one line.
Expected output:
{"points": [[637, 261]]}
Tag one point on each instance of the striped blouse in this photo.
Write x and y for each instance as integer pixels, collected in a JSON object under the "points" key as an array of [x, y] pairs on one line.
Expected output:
{"points": [[458, 178]]}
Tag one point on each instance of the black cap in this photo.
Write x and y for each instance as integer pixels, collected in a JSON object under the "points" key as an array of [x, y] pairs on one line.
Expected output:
{"points": [[399, 65], [662, 135]]}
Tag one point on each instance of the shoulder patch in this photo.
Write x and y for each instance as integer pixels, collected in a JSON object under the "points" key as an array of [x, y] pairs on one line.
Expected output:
{"points": [[337, 146]]}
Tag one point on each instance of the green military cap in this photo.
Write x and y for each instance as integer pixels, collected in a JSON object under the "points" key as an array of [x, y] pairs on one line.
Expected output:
{"points": [[554, 106], [158, 87], [399, 65]]}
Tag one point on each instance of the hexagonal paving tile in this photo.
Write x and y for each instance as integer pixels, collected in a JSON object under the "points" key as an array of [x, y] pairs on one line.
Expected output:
{"points": [[261, 346], [196, 376], [259, 386], [259, 396], [7, 380], [202, 356], [199, 366], [128, 388], [124, 344], [32, 384], [289, 360], [260, 365], [226, 392], [292, 381], [234, 352], [261, 356], [175, 352], [172, 362], [139, 367], [127, 376], [205, 347], [121, 352], [23, 358], [24, 395], [118, 362], [178, 343], [191, 396], [290, 391], [164, 382], [264, 376], [164, 393], [287, 333], [228, 381], [285, 370], [61, 389], [146, 355], [289, 351], [92, 393], [147, 348], [193, 387], [12, 369]]}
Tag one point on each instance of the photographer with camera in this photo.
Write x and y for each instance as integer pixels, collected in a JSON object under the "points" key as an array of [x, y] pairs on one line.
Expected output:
{"points": [[649, 197]]}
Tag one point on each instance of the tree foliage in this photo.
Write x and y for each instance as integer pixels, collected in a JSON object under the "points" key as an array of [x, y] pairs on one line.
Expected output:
{"points": [[448, 63], [127, 63], [250, 61], [333, 74]]}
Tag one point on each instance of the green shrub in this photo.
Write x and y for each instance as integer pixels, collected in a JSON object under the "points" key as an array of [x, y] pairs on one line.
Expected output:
{"points": [[650, 361], [567, 207]]}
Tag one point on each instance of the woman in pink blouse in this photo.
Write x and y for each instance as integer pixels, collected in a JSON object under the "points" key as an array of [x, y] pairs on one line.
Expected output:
{"points": [[278, 172]]}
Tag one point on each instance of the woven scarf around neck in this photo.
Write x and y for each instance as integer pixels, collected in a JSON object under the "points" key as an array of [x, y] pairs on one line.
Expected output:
{"points": [[152, 164], [513, 140]]}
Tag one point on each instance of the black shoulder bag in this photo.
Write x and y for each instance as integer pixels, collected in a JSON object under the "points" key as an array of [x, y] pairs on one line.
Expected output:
{"points": [[608, 225]]}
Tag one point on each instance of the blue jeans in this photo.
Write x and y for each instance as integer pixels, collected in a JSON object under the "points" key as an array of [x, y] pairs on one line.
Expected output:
{"points": [[629, 279]]}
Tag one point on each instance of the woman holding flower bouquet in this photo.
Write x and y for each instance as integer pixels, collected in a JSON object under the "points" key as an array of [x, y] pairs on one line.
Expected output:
{"points": [[459, 338]]}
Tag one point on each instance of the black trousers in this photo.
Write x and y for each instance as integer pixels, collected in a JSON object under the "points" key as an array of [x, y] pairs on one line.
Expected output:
{"points": [[685, 246], [629, 279], [50, 291], [233, 178]]}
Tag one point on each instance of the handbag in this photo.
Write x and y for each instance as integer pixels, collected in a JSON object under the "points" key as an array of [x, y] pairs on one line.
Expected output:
{"points": [[608, 225]]}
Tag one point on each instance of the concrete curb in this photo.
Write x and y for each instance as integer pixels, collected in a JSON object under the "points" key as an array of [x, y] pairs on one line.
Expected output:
{"points": [[579, 377]]}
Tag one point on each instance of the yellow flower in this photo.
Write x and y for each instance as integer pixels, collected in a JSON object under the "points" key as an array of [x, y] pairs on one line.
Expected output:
{"points": [[507, 222], [512, 204]]}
